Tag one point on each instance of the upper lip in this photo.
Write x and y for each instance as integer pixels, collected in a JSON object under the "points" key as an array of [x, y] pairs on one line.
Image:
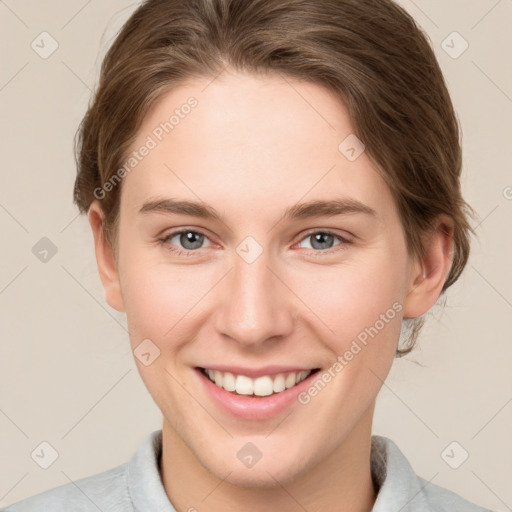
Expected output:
{"points": [[258, 372]]}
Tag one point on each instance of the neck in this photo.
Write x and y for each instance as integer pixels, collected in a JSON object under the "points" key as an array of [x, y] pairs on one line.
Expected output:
{"points": [[342, 482]]}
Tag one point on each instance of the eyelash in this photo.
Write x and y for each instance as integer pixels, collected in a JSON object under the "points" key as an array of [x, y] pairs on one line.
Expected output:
{"points": [[184, 252]]}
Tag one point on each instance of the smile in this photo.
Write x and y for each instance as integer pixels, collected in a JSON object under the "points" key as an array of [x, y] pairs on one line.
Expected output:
{"points": [[264, 385]]}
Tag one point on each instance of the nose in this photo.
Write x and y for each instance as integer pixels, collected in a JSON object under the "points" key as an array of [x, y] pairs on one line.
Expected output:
{"points": [[254, 304]]}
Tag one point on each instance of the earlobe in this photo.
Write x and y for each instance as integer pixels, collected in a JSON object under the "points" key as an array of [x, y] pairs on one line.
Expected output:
{"points": [[105, 258], [428, 274]]}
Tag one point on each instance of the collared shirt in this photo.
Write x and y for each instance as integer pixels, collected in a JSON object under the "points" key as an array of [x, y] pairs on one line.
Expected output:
{"points": [[136, 486]]}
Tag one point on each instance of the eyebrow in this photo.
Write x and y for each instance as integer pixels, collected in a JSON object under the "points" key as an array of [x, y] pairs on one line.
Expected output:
{"points": [[311, 209]]}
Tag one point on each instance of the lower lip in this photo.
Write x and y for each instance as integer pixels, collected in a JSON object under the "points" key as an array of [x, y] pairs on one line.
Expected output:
{"points": [[254, 407]]}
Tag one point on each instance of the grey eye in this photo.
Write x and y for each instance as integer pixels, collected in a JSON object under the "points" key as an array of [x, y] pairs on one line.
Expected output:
{"points": [[189, 240], [321, 240]]}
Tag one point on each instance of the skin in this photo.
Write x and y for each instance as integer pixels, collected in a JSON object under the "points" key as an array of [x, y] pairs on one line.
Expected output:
{"points": [[251, 148]]}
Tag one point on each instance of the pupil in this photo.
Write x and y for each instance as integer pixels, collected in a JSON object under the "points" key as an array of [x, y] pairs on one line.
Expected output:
{"points": [[320, 240], [187, 240]]}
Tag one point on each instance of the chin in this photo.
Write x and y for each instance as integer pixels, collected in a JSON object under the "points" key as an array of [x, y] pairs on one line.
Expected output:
{"points": [[272, 470], [262, 478]]}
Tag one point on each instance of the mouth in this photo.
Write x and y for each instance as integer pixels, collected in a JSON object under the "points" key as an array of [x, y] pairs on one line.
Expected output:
{"points": [[262, 386]]}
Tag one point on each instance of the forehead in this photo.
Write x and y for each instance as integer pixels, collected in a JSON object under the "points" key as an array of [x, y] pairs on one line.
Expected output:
{"points": [[242, 138]]}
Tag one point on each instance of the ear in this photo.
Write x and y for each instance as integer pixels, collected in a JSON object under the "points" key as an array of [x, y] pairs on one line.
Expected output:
{"points": [[428, 273], [105, 258]]}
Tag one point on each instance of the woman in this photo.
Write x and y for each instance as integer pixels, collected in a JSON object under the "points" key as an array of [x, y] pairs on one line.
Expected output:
{"points": [[273, 189]]}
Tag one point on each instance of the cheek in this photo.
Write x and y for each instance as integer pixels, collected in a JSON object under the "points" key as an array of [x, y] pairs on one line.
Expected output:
{"points": [[351, 297], [158, 296], [361, 303]]}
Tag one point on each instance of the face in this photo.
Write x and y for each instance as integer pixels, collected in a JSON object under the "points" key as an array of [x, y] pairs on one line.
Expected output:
{"points": [[259, 278]]}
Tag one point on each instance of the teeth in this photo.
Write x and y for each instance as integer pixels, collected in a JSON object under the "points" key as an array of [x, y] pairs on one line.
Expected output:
{"points": [[291, 379], [262, 386], [228, 382], [279, 383]]}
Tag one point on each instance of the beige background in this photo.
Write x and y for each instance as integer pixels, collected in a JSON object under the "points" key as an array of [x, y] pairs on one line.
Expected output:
{"points": [[67, 374]]}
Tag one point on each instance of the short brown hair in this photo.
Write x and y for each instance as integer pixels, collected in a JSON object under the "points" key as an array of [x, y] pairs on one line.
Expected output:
{"points": [[370, 53]]}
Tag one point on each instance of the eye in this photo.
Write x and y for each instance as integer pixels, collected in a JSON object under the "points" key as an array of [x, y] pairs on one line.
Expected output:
{"points": [[188, 239], [322, 241]]}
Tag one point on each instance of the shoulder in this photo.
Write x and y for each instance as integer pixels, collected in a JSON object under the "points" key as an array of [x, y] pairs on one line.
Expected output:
{"points": [[135, 485], [103, 491], [398, 484], [441, 499]]}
